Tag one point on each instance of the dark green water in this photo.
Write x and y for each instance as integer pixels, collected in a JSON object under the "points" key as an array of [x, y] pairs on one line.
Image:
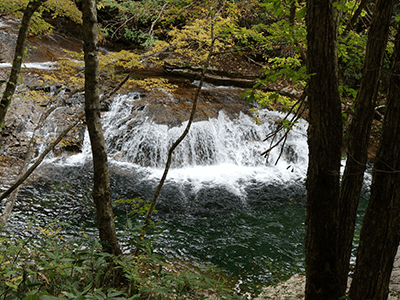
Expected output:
{"points": [[255, 247], [257, 240]]}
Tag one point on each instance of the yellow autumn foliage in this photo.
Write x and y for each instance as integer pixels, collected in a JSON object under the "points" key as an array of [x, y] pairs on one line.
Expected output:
{"points": [[62, 8]]}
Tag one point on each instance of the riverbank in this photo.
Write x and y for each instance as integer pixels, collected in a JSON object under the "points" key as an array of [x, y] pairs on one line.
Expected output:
{"points": [[293, 288]]}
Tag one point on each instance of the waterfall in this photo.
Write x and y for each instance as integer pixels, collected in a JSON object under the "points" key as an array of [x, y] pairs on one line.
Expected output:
{"points": [[219, 150]]}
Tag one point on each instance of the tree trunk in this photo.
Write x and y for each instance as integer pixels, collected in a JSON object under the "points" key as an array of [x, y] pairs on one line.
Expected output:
{"points": [[379, 238], [292, 12], [360, 131], [354, 18], [324, 140], [18, 57], [101, 189]]}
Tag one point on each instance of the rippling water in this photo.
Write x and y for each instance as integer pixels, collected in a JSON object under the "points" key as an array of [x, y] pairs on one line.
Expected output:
{"points": [[248, 236]]}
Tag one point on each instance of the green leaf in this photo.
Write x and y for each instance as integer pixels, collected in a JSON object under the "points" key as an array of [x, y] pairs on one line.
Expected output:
{"points": [[273, 96], [300, 14], [162, 290], [32, 295], [129, 224], [11, 285], [114, 294], [9, 273], [251, 98], [87, 289], [245, 93], [48, 297]]}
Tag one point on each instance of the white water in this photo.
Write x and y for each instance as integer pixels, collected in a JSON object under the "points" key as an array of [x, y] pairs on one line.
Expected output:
{"points": [[219, 151], [37, 66]]}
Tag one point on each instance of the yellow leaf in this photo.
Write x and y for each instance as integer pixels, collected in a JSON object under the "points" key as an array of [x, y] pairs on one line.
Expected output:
{"points": [[16, 278]]}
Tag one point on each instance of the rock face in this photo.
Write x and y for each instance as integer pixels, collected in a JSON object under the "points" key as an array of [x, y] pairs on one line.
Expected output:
{"points": [[39, 48], [24, 114], [293, 288], [174, 109]]}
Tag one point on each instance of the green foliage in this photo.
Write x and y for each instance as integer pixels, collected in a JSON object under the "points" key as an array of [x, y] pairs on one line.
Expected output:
{"points": [[281, 9], [145, 39], [56, 8], [351, 55], [47, 264], [348, 92], [277, 6], [280, 71], [132, 20], [136, 206], [288, 68], [269, 100]]}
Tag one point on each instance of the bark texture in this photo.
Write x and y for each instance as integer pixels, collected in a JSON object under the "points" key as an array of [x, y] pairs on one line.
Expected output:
{"points": [[324, 140], [18, 57], [101, 189], [379, 237], [360, 131]]}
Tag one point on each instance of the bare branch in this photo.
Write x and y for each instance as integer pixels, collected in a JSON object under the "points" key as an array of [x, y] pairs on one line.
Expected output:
{"points": [[296, 116], [175, 144]]}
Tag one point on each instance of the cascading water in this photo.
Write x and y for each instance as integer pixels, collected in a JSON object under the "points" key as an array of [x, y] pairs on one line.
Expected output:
{"points": [[212, 142], [222, 202]]}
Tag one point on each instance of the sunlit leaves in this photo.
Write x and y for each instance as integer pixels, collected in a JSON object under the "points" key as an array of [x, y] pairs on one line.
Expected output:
{"points": [[63, 8], [351, 54], [150, 83], [123, 59], [346, 5]]}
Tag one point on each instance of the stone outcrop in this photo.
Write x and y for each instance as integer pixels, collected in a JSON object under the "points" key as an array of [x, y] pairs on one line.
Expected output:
{"points": [[173, 109], [293, 288]]}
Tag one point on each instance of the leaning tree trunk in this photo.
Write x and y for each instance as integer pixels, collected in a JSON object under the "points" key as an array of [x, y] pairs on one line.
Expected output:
{"points": [[379, 237], [18, 57], [360, 131], [101, 189], [324, 141]]}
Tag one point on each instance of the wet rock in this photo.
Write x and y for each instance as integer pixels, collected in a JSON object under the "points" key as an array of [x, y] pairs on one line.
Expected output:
{"points": [[45, 88], [77, 100], [174, 109]]}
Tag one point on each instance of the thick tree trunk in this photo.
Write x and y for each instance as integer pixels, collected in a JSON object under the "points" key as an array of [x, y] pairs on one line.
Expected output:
{"points": [[379, 238], [101, 189], [324, 140], [18, 57], [360, 131]]}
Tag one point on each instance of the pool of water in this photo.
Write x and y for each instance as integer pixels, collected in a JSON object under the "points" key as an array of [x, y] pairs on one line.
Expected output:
{"points": [[255, 239]]}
